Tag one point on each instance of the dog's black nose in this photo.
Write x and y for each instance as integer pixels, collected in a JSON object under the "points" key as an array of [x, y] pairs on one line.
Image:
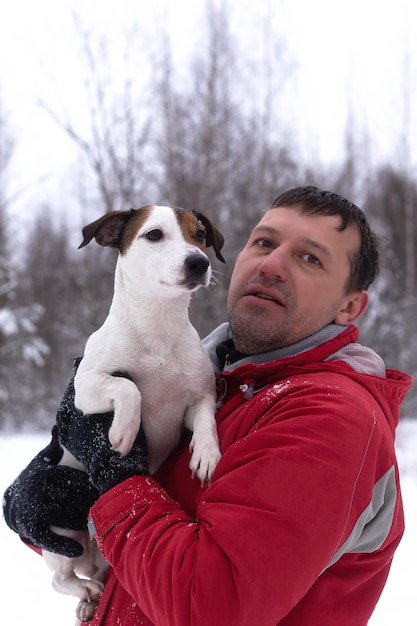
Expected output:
{"points": [[196, 265]]}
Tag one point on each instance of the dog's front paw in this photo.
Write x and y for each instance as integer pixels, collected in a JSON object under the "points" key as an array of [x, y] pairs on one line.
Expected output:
{"points": [[121, 439], [85, 610], [93, 589], [126, 420], [204, 458]]}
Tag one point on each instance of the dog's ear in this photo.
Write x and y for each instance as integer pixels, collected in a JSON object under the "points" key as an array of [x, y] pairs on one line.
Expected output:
{"points": [[108, 229], [214, 236]]}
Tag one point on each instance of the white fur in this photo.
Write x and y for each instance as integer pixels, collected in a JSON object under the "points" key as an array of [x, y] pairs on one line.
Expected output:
{"points": [[91, 566], [148, 334]]}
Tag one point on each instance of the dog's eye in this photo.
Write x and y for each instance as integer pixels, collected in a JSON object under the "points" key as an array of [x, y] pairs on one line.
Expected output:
{"points": [[154, 235], [201, 235]]}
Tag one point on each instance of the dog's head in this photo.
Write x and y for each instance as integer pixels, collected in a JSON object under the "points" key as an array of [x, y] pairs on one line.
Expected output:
{"points": [[164, 244]]}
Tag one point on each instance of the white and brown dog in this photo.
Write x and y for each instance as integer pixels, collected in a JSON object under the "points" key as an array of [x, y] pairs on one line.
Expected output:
{"points": [[148, 334]]}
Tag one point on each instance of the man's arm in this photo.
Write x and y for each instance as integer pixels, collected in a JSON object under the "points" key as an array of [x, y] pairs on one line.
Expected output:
{"points": [[283, 500], [47, 494]]}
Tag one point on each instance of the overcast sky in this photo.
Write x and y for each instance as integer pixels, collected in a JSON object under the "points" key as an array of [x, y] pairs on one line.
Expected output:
{"points": [[348, 55]]}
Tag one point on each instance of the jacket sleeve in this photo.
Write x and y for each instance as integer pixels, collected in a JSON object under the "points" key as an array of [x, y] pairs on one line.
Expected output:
{"points": [[285, 496]]}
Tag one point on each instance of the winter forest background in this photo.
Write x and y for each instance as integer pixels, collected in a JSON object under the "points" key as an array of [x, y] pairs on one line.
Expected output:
{"points": [[211, 134]]}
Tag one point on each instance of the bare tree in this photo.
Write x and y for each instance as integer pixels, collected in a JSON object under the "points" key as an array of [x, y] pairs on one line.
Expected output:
{"points": [[221, 152], [410, 205], [19, 340], [389, 325], [188, 142], [6, 274], [116, 143], [72, 289]]}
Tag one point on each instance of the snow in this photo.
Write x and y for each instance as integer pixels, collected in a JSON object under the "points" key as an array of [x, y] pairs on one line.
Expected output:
{"points": [[8, 322], [28, 597], [26, 582]]}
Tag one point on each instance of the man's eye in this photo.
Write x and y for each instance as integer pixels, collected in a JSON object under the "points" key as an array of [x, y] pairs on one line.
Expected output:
{"points": [[154, 235], [311, 258], [264, 243]]}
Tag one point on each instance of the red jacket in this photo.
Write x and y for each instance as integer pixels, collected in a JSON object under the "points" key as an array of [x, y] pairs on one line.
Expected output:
{"points": [[301, 521]]}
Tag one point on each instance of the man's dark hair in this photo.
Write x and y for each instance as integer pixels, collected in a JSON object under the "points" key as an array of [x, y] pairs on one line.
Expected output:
{"points": [[364, 263]]}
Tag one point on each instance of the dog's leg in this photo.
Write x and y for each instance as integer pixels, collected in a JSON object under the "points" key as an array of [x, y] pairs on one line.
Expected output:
{"points": [[98, 392], [91, 564], [126, 421], [87, 607], [65, 580], [204, 443]]}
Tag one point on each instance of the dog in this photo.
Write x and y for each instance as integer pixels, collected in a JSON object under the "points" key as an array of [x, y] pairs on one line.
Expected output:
{"points": [[147, 334]]}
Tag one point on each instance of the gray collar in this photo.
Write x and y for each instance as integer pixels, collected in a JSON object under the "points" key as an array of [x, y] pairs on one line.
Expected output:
{"points": [[223, 333]]}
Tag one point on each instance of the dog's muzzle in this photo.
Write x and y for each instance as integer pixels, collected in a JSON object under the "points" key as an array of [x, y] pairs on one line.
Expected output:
{"points": [[196, 270]]}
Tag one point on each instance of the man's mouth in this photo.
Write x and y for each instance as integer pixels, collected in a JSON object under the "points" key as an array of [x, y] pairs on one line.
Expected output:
{"points": [[265, 296]]}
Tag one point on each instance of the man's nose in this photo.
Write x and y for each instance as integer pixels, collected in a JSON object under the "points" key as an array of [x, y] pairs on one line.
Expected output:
{"points": [[275, 265]]}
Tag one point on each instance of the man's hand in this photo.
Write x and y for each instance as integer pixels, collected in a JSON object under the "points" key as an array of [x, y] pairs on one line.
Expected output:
{"points": [[46, 494], [87, 438]]}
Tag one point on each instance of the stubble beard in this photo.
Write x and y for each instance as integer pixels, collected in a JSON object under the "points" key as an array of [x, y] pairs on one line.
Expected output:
{"points": [[253, 333]]}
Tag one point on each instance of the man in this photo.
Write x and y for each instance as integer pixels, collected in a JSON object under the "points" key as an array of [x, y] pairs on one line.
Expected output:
{"points": [[303, 516]]}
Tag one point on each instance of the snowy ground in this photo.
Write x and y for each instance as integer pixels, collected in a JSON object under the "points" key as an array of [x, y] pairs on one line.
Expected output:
{"points": [[29, 599]]}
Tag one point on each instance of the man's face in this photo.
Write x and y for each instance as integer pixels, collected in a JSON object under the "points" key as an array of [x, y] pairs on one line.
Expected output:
{"points": [[289, 280]]}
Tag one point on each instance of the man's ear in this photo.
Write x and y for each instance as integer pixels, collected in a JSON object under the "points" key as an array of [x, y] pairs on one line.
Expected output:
{"points": [[354, 307]]}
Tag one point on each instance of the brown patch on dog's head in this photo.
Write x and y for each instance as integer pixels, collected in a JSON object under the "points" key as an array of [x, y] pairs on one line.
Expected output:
{"points": [[116, 229], [199, 231]]}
